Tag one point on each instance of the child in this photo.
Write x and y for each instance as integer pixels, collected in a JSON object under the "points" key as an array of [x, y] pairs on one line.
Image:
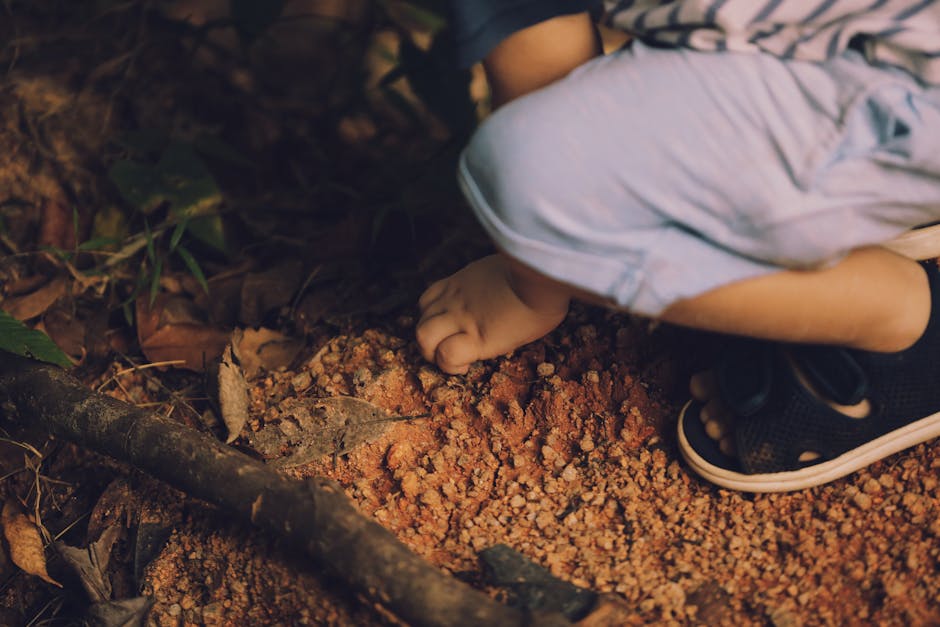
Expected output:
{"points": [[735, 169]]}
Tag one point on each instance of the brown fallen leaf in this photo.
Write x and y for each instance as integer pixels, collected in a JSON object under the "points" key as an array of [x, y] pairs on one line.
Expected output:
{"points": [[171, 330], [91, 564], [264, 348], [194, 345], [37, 302], [67, 330], [19, 285], [233, 394], [26, 548], [166, 309], [223, 300], [265, 291], [311, 428], [57, 225]]}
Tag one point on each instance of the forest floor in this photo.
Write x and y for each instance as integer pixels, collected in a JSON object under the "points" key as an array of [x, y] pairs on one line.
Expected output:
{"points": [[338, 209]]}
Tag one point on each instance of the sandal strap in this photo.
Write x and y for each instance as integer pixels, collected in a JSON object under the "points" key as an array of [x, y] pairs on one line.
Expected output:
{"points": [[746, 374], [778, 419], [833, 372]]}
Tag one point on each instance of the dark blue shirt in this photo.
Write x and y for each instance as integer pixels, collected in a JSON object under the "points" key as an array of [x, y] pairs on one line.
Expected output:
{"points": [[481, 24]]}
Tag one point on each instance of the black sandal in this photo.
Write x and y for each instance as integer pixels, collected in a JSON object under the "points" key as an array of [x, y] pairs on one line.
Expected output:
{"points": [[779, 421]]}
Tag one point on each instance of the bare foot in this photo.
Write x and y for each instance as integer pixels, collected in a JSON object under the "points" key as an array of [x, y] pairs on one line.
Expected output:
{"points": [[489, 308], [719, 420]]}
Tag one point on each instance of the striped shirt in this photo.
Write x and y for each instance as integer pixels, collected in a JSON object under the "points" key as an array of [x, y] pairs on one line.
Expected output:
{"points": [[902, 33]]}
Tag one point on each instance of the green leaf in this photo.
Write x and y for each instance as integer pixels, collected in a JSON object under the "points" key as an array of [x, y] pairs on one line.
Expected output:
{"points": [[178, 233], [138, 184], [98, 243], [188, 183], [180, 178], [209, 230], [151, 250], [194, 268], [17, 338], [155, 280]]}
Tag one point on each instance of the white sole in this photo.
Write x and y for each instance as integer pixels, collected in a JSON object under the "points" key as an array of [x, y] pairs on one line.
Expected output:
{"points": [[920, 431], [917, 244]]}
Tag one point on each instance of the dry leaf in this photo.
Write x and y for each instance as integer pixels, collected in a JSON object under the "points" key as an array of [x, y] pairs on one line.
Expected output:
{"points": [[171, 331], [233, 395], [57, 225], [67, 330], [24, 284], [26, 548], [124, 613], [147, 317], [265, 291], [311, 428], [167, 309], [222, 302], [264, 348], [91, 564], [194, 345], [36, 303]]}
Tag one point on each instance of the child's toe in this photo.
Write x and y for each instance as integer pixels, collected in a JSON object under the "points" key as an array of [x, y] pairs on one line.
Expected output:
{"points": [[703, 386], [456, 352], [432, 331]]}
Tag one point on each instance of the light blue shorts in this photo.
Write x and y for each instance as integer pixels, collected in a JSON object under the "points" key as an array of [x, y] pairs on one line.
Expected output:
{"points": [[652, 175]]}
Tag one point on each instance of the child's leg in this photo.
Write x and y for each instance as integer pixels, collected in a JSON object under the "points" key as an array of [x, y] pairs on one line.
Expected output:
{"points": [[575, 182], [495, 304], [872, 300], [678, 185]]}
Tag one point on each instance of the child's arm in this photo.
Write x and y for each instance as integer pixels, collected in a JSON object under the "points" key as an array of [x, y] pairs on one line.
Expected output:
{"points": [[524, 44], [538, 55]]}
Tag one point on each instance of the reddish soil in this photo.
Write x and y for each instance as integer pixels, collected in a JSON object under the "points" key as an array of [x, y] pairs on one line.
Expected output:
{"points": [[565, 451]]}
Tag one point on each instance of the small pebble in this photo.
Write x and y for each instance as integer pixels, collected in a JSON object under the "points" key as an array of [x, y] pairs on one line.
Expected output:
{"points": [[872, 486]]}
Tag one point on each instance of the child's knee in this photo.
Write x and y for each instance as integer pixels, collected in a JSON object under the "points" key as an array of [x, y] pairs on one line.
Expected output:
{"points": [[514, 170]]}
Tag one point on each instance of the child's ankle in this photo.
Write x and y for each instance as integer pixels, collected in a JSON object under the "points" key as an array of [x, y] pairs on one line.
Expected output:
{"points": [[902, 330], [538, 292]]}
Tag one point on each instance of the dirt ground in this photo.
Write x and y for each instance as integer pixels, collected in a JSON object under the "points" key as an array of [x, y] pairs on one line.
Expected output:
{"points": [[565, 450]]}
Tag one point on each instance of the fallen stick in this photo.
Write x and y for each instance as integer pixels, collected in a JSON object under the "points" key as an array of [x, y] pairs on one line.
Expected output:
{"points": [[314, 515]]}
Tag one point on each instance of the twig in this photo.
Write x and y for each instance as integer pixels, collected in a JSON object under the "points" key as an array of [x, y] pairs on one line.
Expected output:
{"points": [[136, 368]]}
